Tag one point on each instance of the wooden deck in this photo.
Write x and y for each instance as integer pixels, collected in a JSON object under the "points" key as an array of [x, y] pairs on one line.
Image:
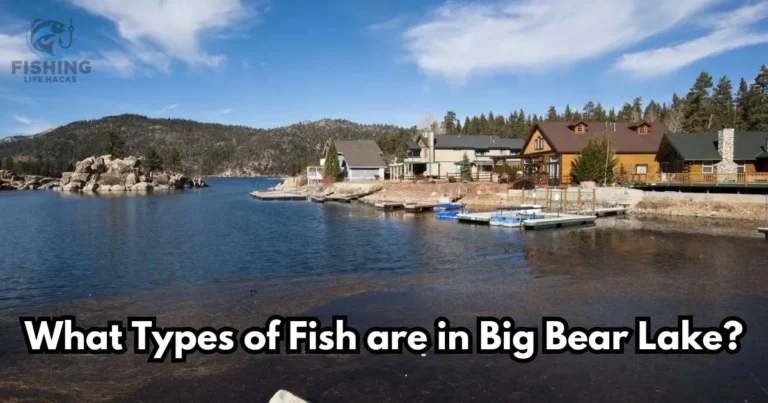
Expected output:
{"points": [[702, 180]]}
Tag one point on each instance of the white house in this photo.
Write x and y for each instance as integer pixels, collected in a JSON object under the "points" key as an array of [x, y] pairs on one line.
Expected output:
{"points": [[358, 159], [441, 156]]}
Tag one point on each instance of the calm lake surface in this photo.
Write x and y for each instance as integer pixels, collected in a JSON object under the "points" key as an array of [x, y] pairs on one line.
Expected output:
{"points": [[215, 257]]}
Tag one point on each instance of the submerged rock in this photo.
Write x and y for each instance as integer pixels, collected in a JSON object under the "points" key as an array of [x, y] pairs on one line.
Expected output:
{"points": [[284, 396]]}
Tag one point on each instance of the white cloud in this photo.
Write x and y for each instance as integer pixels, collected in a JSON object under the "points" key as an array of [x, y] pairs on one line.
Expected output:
{"points": [[166, 109], [731, 31], [31, 126], [157, 31], [225, 111], [386, 25], [13, 47], [462, 39]]}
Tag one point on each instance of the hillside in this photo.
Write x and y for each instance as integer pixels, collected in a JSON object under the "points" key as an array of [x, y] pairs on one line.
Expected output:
{"points": [[205, 148]]}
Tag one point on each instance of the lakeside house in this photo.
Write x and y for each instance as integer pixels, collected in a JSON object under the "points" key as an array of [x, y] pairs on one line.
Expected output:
{"points": [[358, 159], [552, 146], [724, 158], [440, 156]]}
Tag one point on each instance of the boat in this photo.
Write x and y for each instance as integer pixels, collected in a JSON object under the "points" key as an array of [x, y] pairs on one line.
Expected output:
{"points": [[448, 206], [447, 215]]}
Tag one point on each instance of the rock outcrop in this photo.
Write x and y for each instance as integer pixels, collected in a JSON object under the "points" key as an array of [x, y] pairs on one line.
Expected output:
{"points": [[12, 181], [108, 174]]}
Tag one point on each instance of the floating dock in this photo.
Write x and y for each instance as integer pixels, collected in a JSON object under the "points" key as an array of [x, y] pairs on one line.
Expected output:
{"points": [[390, 206], [420, 207], [277, 196], [763, 231], [485, 218], [561, 221], [317, 199]]}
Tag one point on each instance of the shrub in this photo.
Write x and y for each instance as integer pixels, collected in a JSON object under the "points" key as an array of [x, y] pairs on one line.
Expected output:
{"points": [[596, 163]]}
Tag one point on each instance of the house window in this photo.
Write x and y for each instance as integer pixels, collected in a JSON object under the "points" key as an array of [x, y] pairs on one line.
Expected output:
{"points": [[641, 169], [481, 153], [538, 144], [741, 168], [642, 130], [707, 167], [580, 129]]}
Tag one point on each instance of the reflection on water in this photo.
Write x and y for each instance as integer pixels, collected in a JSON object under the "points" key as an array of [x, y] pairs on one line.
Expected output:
{"points": [[192, 259]]}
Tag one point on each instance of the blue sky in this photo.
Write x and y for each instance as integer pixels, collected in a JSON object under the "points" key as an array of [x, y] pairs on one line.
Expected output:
{"points": [[270, 63]]}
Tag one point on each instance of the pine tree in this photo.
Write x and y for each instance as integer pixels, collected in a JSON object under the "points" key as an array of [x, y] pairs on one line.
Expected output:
{"points": [[152, 161], [552, 114], [741, 103], [625, 114], [721, 107], [612, 115], [476, 126], [173, 161], [674, 117], [652, 112], [589, 111], [757, 102], [466, 169], [499, 126], [112, 144], [596, 163], [697, 116], [637, 110], [458, 126], [449, 123], [568, 114], [466, 125], [331, 168], [599, 113], [482, 126]]}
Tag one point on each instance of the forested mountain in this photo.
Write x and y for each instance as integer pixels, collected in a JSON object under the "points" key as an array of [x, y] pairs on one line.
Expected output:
{"points": [[204, 148], [706, 107], [207, 148]]}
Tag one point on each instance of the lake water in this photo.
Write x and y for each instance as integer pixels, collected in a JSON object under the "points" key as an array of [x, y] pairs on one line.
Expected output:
{"points": [[216, 257]]}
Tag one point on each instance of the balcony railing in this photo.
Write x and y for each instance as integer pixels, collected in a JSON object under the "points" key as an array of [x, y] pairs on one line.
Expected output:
{"points": [[702, 178]]}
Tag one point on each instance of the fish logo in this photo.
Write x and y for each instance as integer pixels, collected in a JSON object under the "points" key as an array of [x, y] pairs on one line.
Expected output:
{"points": [[43, 34]]}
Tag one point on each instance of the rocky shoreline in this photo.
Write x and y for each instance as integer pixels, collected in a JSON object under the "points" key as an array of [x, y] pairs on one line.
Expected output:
{"points": [[103, 174]]}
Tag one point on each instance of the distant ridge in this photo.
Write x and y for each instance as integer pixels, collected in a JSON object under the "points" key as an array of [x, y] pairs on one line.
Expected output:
{"points": [[206, 148]]}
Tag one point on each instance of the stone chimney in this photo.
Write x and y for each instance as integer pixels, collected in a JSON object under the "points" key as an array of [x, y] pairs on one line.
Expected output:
{"points": [[725, 146]]}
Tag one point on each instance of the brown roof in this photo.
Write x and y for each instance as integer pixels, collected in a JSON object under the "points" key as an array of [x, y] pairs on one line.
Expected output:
{"points": [[361, 153], [624, 139]]}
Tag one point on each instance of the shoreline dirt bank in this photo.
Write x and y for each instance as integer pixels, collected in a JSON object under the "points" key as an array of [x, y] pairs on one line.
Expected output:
{"points": [[493, 195]]}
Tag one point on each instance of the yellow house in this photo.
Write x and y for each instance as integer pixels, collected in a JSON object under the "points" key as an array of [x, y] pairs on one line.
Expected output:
{"points": [[553, 146]]}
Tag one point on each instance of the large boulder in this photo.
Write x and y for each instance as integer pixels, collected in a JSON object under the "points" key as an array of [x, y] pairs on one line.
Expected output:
{"points": [[93, 184], [80, 176], [130, 180], [118, 188], [73, 186], [126, 164], [161, 179], [65, 178], [84, 166], [142, 187], [113, 176]]}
